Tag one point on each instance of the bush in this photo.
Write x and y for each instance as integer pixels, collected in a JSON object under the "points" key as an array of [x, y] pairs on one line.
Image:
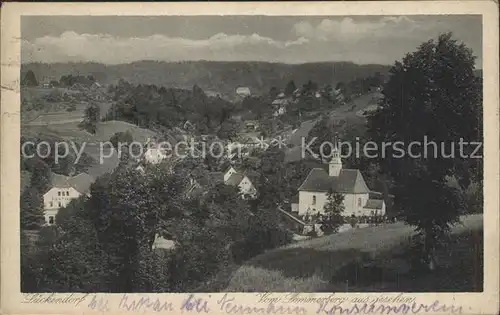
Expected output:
{"points": [[258, 242]]}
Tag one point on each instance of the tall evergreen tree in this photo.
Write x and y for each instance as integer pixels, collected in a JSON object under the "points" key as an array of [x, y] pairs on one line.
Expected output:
{"points": [[32, 213], [30, 79], [40, 176], [290, 87]]}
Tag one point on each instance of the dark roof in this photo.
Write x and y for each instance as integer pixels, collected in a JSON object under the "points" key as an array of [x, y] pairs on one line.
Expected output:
{"points": [[235, 179], [253, 176], [374, 204], [80, 182], [348, 181], [212, 178]]}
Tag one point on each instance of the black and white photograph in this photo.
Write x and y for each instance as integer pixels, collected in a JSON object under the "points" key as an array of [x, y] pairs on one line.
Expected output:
{"points": [[251, 153], [280, 155]]}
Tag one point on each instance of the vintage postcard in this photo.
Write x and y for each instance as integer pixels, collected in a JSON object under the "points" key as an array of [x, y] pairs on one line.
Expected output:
{"points": [[250, 158]]}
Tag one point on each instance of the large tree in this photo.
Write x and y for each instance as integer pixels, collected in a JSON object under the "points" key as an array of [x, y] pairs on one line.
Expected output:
{"points": [[432, 94], [92, 117], [334, 209]]}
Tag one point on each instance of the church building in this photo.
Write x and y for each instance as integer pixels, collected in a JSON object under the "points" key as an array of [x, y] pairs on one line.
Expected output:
{"points": [[358, 199]]}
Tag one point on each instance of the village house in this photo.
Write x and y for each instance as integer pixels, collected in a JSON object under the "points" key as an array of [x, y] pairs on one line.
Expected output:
{"points": [[62, 190], [155, 155], [230, 177], [243, 91], [252, 125], [358, 199], [234, 178]]}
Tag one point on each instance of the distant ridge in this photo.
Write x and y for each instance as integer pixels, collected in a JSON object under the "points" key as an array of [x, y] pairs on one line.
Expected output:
{"points": [[212, 75]]}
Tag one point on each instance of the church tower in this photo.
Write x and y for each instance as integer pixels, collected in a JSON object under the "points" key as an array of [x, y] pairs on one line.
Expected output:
{"points": [[335, 164]]}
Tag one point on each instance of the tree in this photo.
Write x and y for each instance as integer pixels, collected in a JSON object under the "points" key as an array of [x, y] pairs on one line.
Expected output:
{"points": [[121, 138], [75, 208], [30, 79], [229, 129], [323, 132], [432, 94], [273, 92], [40, 175], [75, 261], [128, 209], [334, 208], [92, 117], [32, 214], [290, 88]]}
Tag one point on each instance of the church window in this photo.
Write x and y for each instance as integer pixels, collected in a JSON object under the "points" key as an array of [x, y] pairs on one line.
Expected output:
{"points": [[51, 220], [58, 193], [314, 200], [359, 202]]}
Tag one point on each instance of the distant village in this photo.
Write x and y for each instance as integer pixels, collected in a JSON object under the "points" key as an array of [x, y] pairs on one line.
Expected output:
{"points": [[305, 211]]}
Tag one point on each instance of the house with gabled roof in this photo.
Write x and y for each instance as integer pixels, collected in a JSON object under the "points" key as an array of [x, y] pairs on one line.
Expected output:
{"points": [[62, 190], [242, 181], [359, 200]]}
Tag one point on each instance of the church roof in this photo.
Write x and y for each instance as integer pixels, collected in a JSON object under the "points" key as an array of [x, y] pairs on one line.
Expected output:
{"points": [[348, 181]]}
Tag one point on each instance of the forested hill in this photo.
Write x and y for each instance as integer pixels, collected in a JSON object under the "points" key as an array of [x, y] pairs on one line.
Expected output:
{"points": [[218, 76]]}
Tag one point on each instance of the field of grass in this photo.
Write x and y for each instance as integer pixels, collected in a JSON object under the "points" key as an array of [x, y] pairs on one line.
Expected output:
{"points": [[367, 259], [105, 130]]}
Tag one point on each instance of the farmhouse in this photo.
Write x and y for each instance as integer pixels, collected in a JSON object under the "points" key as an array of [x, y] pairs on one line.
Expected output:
{"points": [[62, 190], [358, 199], [242, 181]]}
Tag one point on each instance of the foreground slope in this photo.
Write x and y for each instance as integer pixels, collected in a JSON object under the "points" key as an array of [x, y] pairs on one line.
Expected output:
{"points": [[322, 264]]}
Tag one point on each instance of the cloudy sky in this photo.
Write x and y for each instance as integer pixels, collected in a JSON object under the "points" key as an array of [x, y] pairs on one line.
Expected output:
{"points": [[288, 39]]}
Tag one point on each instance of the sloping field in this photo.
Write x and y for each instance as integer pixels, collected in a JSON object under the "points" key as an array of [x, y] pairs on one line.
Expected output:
{"points": [[104, 161], [312, 265], [105, 130]]}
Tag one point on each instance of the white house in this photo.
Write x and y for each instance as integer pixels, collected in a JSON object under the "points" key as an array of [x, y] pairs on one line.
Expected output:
{"points": [[155, 155], [243, 91], [313, 192], [240, 180], [64, 189]]}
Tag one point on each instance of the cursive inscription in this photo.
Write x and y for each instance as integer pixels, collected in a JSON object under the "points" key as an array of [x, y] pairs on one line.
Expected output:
{"points": [[228, 306], [195, 304], [39, 298], [144, 304], [377, 308]]}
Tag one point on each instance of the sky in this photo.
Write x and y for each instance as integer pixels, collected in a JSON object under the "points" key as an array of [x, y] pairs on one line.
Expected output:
{"points": [[287, 39]]}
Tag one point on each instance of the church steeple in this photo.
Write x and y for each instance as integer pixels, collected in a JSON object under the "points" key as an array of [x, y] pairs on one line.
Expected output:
{"points": [[335, 164]]}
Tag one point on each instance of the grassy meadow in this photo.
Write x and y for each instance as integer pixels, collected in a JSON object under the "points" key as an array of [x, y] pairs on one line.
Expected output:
{"points": [[368, 259]]}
